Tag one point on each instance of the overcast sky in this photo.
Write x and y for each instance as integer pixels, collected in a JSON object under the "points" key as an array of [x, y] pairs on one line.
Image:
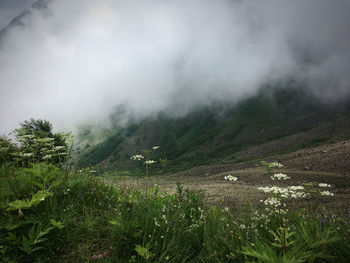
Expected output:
{"points": [[76, 60], [9, 9]]}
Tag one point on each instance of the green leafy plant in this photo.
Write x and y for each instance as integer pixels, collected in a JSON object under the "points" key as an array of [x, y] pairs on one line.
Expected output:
{"points": [[36, 236], [28, 203], [58, 224], [144, 252], [283, 238], [262, 252]]}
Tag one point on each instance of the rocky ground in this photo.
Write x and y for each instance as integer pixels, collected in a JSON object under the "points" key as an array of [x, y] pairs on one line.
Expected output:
{"points": [[324, 164]]}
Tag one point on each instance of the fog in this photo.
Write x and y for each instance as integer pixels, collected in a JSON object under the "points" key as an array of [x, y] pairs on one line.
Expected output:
{"points": [[75, 61]]}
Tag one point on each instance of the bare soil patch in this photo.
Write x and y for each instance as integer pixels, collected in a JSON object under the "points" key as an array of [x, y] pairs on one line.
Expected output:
{"points": [[325, 164]]}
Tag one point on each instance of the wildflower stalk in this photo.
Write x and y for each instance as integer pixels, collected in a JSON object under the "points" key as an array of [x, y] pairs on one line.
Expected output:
{"points": [[146, 179]]}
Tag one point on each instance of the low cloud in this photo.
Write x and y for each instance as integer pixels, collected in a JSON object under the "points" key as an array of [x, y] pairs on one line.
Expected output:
{"points": [[73, 61]]}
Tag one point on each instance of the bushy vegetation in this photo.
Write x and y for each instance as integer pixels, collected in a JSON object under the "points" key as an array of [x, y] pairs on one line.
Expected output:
{"points": [[51, 214], [47, 214], [54, 216], [36, 142]]}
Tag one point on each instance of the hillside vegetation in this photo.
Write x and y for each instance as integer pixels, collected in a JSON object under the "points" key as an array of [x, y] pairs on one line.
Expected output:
{"points": [[223, 132], [231, 211]]}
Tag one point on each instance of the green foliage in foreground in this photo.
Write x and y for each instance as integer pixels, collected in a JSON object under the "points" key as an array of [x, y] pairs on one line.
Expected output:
{"points": [[75, 217], [50, 216]]}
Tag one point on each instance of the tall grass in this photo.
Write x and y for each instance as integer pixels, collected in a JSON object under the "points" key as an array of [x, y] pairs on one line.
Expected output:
{"points": [[79, 218], [68, 223]]}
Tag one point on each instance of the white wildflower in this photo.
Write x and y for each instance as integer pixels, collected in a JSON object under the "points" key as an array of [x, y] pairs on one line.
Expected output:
{"points": [[288, 192], [272, 201], [280, 176], [274, 190], [296, 187], [27, 136], [296, 195], [272, 164], [149, 162], [281, 211], [155, 222], [230, 178], [137, 157], [324, 185], [45, 140], [326, 193], [46, 157], [57, 148], [155, 147]]}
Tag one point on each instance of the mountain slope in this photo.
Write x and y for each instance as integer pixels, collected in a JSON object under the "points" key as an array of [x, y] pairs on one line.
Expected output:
{"points": [[272, 122]]}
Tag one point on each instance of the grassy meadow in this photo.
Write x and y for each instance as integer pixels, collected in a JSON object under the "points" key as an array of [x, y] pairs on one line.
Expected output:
{"points": [[51, 212]]}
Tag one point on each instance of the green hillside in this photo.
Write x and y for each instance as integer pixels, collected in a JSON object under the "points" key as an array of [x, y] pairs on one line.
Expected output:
{"points": [[223, 132]]}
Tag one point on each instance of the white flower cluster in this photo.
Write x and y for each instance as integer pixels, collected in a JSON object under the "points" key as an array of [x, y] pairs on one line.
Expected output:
{"points": [[155, 147], [137, 157], [296, 191], [46, 157], [273, 206], [280, 211], [45, 140], [326, 193], [280, 176], [57, 148], [27, 136], [272, 201], [230, 178], [296, 187], [149, 162], [274, 190], [296, 195], [285, 192], [272, 164], [276, 165]]}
